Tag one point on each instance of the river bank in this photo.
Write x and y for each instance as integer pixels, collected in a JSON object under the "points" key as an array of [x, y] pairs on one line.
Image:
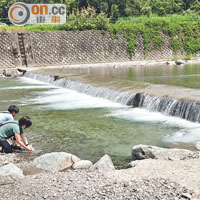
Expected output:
{"points": [[146, 179]]}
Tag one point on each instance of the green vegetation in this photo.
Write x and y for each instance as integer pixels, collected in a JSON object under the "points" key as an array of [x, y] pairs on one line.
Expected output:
{"points": [[184, 35], [119, 8]]}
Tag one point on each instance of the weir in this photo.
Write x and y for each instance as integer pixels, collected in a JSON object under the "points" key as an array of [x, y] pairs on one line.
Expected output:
{"points": [[168, 106], [124, 98]]}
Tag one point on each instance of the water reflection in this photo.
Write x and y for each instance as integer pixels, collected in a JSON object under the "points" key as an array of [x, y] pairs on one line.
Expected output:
{"points": [[183, 75]]}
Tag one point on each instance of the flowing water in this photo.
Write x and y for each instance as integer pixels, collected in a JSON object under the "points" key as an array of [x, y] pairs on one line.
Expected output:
{"points": [[89, 126]]}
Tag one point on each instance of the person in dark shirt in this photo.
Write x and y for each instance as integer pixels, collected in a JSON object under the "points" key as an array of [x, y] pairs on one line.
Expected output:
{"points": [[16, 129]]}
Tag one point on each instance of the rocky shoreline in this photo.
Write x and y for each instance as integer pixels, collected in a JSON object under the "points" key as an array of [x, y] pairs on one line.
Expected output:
{"points": [[161, 174]]}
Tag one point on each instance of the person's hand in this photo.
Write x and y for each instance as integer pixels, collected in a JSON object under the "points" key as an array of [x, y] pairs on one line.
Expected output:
{"points": [[29, 148]]}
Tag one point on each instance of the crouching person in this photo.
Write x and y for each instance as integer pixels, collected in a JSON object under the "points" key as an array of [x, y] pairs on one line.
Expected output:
{"points": [[14, 129]]}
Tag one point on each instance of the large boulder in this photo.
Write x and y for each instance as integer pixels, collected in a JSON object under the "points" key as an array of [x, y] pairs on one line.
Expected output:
{"points": [[140, 152], [55, 161], [104, 165], [197, 146], [83, 164], [12, 171]]}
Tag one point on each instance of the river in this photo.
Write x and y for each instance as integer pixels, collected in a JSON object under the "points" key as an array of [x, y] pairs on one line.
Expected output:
{"points": [[90, 127]]}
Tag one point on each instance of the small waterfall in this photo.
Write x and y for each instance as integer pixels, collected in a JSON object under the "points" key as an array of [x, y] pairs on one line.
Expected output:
{"points": [[179, 108], [124, 98]]}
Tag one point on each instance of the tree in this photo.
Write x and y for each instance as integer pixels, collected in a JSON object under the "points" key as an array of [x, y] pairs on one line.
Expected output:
{"points": [[4, 7], [134, 7], [71, 6], [187, 4]]}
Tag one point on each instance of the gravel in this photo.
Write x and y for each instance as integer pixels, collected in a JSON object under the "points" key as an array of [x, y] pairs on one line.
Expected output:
{"points": [[85, 184], [90, 185]]}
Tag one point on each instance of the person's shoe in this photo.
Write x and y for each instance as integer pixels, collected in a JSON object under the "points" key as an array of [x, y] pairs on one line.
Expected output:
{"points": [[15, 147]]}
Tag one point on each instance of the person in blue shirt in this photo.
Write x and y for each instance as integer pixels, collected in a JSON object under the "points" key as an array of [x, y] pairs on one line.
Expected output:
{"points": [[9, 116]]}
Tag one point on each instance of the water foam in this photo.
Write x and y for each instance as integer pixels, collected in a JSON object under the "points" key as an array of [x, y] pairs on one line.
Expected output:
{"points": [[25, 87], [32, 81], [187, 131], [67, 99], [143, 115]]}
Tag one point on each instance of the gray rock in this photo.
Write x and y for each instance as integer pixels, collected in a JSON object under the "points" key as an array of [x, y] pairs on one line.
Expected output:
{"points": [[186, 196], [12, 73], [137, 100], [197, 146], [55, 161], [12, 171], [104, 164], [145, 152], [180, 62], [83, 164]]}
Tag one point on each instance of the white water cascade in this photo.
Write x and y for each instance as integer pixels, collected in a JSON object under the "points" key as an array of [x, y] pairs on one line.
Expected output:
{"points": [[118, 97], [179, 108]]}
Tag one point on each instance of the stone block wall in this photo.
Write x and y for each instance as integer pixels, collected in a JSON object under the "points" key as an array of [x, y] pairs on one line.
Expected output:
{"points": [[9, 50], [55, 48], [59, 48]]}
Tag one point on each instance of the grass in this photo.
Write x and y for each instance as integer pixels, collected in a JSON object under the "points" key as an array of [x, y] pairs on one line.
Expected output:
{"points": [[99, 23], [171, 18]]}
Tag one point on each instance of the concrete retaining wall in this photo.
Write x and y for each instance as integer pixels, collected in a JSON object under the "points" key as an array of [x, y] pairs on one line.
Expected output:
{"points": [[58, 48], [9, 50]]}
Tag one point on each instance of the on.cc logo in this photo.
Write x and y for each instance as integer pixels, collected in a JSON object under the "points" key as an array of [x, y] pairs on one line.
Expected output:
{"points": [[19, 13]]}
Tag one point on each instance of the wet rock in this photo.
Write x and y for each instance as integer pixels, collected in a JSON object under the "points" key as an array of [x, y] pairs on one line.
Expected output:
{"points": [[145, 152], [180, 62], [12, 171], [104, 165], [55, 161], [22, 71], [137, 100], [83, 164]]}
